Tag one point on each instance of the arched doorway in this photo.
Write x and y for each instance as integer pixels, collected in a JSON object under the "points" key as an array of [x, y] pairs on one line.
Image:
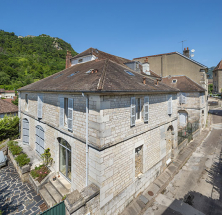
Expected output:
{"points": [[169, 141], [25, 131], [183, 116], [65, 158], [39, 143]]}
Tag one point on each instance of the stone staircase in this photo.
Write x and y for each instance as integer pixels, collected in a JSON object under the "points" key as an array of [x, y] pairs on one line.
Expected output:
{"points": [[53, 191]]}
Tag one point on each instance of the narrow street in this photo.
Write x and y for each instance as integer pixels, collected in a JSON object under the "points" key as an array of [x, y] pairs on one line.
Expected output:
{"points": [[196, 189]]}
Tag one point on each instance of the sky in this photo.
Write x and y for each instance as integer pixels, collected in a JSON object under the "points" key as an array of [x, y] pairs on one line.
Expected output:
{"points": [[124, 28]]}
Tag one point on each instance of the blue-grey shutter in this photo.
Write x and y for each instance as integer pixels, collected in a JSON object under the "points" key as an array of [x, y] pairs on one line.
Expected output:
{"points": [[37, 139], [39, 106], [70, 113], [61, 112], [184, 98], [146, 108], [133, 111], [41, 131], [170, 107], [180, 98]]}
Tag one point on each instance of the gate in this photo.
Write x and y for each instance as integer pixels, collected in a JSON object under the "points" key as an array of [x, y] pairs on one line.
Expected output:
{"points": [[58, 209], [187, 132]]}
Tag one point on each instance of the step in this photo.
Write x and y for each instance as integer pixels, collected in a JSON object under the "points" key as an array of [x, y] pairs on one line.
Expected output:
{"points": [[46, 196], [53, 192], [59, 187], [64, 182]]}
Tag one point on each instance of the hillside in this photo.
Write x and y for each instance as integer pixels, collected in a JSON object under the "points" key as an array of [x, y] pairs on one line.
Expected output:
{"points": [[24, 60]]}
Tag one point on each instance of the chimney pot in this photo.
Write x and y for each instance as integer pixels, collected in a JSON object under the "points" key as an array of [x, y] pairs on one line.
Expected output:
{"points": [[68, 57], [187, 48], [184, 49], [144, 80], [146, 60]]}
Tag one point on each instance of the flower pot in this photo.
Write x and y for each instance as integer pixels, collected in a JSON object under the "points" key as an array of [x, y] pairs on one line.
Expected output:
{"points": [[54, 178]]}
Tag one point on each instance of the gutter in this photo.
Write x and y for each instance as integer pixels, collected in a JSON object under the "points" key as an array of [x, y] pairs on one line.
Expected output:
{"points": [[87, 135]]}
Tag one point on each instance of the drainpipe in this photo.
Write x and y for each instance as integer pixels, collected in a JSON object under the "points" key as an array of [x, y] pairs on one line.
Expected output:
{"points": [[87, 134]]}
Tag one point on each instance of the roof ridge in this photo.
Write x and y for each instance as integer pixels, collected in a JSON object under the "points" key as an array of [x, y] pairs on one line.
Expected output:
{"points": [[101, 80]]}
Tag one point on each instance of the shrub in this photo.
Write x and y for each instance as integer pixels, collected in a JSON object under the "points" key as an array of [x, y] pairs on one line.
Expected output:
{"points": [[40, 172], [22, 159], [46, 156], [14, 148]]}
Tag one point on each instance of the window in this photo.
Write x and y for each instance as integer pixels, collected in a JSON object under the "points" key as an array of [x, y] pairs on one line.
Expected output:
{"points": [[174, 81], [26, 101], [39, 143], [66, 113], [129, 73], [138, 160], [146, 109], [138, 108], [182, 98], [80, 60], [215, 74]]}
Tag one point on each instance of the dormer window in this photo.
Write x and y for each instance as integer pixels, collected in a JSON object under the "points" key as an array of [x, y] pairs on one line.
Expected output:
{"points": [[174, 81], [80, 60]]}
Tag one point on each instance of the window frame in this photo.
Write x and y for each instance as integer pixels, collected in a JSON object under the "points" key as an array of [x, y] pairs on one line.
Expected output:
{"points": [[136, 106]]}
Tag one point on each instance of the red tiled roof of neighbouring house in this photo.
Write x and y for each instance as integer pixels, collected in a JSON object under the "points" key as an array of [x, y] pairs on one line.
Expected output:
{"points": [[183, 83], [101, 55], [2, 90], [7, 107], [106, 76], [155, 55], [9, 91], [219, 66], [10, 100]]}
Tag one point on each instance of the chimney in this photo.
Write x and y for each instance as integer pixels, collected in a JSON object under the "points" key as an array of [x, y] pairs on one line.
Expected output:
{"points": [[68, 57], [146, 67], [144, 80], [186, 52], [157, 81]]}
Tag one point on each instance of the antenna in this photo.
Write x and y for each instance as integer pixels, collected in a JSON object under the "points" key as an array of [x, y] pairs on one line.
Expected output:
{"points": [[182, 44]]}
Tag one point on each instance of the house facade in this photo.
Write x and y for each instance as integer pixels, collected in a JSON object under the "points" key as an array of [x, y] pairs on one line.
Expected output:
{"points": [[192, 106], [217, 78], [175, 63], [104, 124], [7, 93]]}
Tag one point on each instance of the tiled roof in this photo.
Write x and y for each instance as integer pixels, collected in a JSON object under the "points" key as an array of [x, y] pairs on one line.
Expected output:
{"points": [[155, 55], [152, 73], [7, 107], [10, 91], [110, 77], [102, 55], [183, 83], [219, 66], [10, 100], [2, 90]]}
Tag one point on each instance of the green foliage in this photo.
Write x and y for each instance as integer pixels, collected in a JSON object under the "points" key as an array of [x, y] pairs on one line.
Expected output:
{"points": [[40, 172], [22, 159], [46, 156], [64, 197], [1, 212], [15, 102], [210, 88], [24, 60], [14, 148], [9, 127]]}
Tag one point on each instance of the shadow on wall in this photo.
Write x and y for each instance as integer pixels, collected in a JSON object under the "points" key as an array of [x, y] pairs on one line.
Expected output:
{"points": [[216, 112]]}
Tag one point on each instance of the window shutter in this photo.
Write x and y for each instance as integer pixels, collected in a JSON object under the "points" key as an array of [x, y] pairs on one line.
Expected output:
{"points": [[61, 112], [180, 98], [184, 98], [170, 107], [133, 111], [39, 106], [70, 113], [146, 109]]}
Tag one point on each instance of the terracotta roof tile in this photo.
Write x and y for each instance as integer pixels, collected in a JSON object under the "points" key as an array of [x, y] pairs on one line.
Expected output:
{"points": [[183, 83], [110, 77], [7, 107], [219, 66]]}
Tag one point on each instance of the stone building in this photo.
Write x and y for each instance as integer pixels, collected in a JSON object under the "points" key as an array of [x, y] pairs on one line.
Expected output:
{"points": [[192, 105], [7, 108], [217, 78], [175, 63], [105, 124]]}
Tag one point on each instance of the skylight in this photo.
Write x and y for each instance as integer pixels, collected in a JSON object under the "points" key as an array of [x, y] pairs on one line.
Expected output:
{"points": [[174, 81], [129, 73], [58, 76], [73, 74], [89, 71]]}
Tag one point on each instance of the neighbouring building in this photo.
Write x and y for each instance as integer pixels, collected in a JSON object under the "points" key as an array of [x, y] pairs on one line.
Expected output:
{"points": [[7, 93], [7, 108], [175, 63], [128, 120], [217, 78], [192, 106]]}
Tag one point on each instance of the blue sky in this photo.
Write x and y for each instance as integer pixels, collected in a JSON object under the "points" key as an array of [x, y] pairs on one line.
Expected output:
{"points": [[125, 28]]}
